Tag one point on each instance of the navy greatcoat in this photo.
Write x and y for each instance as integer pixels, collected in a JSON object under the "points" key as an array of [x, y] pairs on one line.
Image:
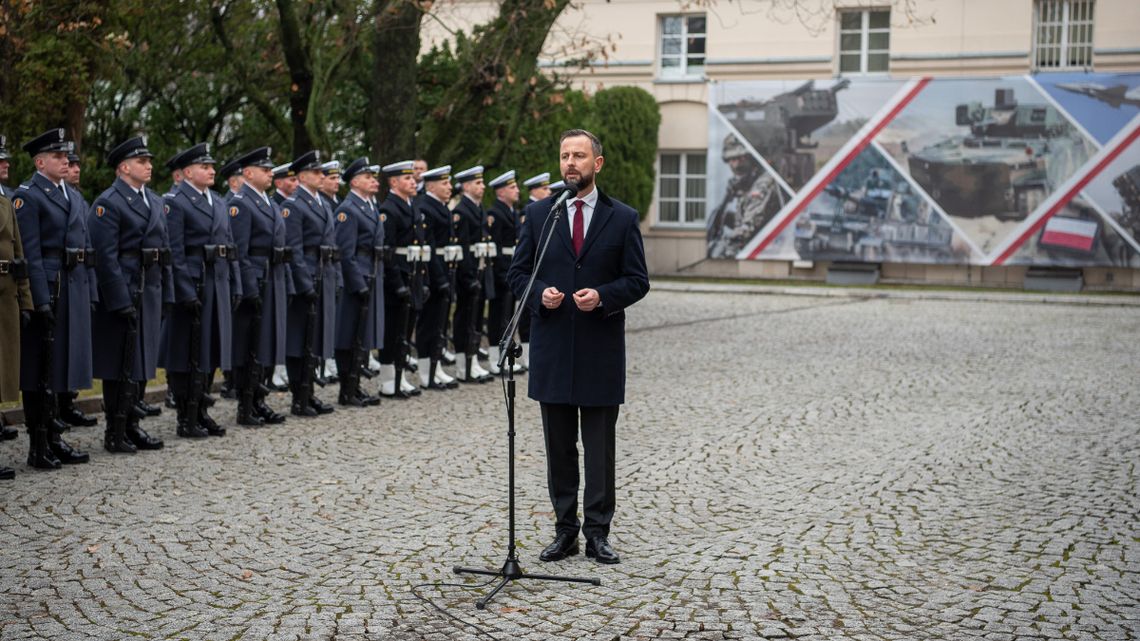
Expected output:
{"points": [[359, 235], [578, 358], [258, 230], [195, 223], [122, 225], [309, 226], [49, 225]]}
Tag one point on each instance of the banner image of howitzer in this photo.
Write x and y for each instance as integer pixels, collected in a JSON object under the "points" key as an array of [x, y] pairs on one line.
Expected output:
{"points": [[956, 170]]}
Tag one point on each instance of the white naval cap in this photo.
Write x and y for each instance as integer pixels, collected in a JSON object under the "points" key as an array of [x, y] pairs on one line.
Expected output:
{"points": [[474, 173], [503, 180], [540, 180], [399, 168], [439, 173]]}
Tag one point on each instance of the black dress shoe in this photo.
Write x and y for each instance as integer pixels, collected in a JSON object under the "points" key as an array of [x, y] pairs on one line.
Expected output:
{"points": [[564, 545], [349, 400], [268, 416], [141, 440], [249, 419], [7, 433], [599, 549], [7, 473], [118, 443], [370, 399], [187, 429], [321, 406], [72, 416], [300, 408], [147, 408]]}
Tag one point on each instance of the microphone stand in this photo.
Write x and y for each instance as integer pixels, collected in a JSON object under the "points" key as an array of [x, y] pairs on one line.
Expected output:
{"points": [[509, 349]]}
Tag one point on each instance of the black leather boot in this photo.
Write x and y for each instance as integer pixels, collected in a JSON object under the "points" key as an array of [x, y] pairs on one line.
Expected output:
{"points": [[188, 426], [69, 414], [65, 453], [207, 422], [267, 414], [139, 437], [115, 436], [39, 454], [7, 433]]}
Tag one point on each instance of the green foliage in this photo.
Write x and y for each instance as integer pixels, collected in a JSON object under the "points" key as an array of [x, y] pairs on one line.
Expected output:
{"points": [[627, 122]]}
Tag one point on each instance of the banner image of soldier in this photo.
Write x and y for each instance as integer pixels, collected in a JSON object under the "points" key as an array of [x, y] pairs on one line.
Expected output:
{"points": [[259, 322], [198, 333], [446, 254], [360, 313], [499, 228], [55, 347], [15, 310], [132, 249], [473, 279], [751, 199], [311, 231], [405, 276]]}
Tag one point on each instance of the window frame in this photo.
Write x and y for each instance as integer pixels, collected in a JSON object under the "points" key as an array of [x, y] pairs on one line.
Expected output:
{"points": [[682, 199], [864, 32], [684, 72], [1061, 51]]}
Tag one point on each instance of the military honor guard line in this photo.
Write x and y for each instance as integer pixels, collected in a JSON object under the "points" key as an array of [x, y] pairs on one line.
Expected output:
{"points": [[282, 283], [279, 281]]}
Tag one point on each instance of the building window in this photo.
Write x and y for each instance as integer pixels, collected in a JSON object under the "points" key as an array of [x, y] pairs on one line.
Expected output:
{"points": [[1063, 34], [864, 41], [683, 46], [681, 189]]}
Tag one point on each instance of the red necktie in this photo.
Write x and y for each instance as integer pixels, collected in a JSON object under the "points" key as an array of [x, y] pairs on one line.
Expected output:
{"points": [[578, 232]]}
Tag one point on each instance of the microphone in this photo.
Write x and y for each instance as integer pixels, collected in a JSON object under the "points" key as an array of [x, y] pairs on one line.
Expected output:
{"points": [[568, 193]]}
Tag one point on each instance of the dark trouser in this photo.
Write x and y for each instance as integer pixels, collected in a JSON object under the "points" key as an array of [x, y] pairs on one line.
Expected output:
{"points": [[499, 313], [429, 325], [395, 319], [560, 429], [465, 331]]}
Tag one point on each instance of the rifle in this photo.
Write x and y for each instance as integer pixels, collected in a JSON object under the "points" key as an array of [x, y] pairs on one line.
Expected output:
{"points": [[310, 358], [359, 353], [253, 364], [48, 407], [126, 396], [195, 382]]}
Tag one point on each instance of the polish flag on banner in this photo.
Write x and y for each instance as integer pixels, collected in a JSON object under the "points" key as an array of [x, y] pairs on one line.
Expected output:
{"points": [[1069, 233]]}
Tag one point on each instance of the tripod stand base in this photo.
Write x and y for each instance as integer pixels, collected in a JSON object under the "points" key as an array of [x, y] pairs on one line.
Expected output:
{"points": [[512, 571]]}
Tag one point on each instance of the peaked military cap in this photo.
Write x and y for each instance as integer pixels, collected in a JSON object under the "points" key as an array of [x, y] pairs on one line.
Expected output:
{"points": [[399, 168], [230, 169], [130, 148], [541, 180], [357, 167], [283, 171], [331, 168], [473, 173], [257, 158], [306, 161], [4, 147], [503, 180], [199, 154], [73, 158], [49, 141], [561, 184], [439, 173]]}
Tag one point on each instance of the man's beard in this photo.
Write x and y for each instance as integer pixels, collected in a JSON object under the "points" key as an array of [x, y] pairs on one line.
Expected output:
{"points": [[584, 182]]}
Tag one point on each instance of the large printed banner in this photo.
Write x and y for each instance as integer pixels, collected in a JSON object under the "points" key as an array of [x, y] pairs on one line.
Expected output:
{"points": [[1029, 170]]}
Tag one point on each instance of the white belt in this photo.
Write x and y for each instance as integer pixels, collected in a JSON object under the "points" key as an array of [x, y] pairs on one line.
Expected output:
{"points": [[450, 253], [415, 253], [484, 250], [507, 251]]}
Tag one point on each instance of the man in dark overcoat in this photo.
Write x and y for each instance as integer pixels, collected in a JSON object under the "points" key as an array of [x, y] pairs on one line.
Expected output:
{"points": [[594, 269]]}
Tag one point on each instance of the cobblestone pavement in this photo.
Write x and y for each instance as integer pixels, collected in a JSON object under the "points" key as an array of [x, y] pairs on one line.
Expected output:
{"points": [[788, 467]]}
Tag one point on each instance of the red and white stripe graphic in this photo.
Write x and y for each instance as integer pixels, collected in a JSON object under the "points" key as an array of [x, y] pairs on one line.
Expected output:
{"points": [[1067, 191], [1069, 233], [829, 171]]}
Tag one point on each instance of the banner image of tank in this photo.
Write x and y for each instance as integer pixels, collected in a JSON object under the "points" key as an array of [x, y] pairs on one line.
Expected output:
{"points": [[927, 170]]}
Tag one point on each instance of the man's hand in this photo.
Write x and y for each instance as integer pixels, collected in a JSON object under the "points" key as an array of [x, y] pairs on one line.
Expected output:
{"points": [[587, 300], [552, 298]]}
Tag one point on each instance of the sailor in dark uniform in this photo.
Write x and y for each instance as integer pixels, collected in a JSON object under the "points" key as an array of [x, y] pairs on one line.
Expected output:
{"points": [[311, 232], [284, 183], [259, 233], [207, 278], [446, 254], [132, 249], [470, 287], [499, 225], [57, 247], [405, 276], [360, 237]]}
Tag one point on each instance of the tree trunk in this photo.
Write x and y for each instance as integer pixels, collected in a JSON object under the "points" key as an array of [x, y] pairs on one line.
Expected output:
{"points": [[391, 119], [300, 73]]}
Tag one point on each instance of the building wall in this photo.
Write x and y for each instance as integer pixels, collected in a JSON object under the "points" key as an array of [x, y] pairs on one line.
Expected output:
{"points": [[753, 40]]}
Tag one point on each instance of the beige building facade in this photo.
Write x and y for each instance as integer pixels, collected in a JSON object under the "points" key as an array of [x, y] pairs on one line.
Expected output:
{"points": [[674, 49]]}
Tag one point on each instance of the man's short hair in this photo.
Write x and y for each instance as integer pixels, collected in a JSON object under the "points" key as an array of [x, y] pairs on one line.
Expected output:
{"points": [[595, 144]]}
